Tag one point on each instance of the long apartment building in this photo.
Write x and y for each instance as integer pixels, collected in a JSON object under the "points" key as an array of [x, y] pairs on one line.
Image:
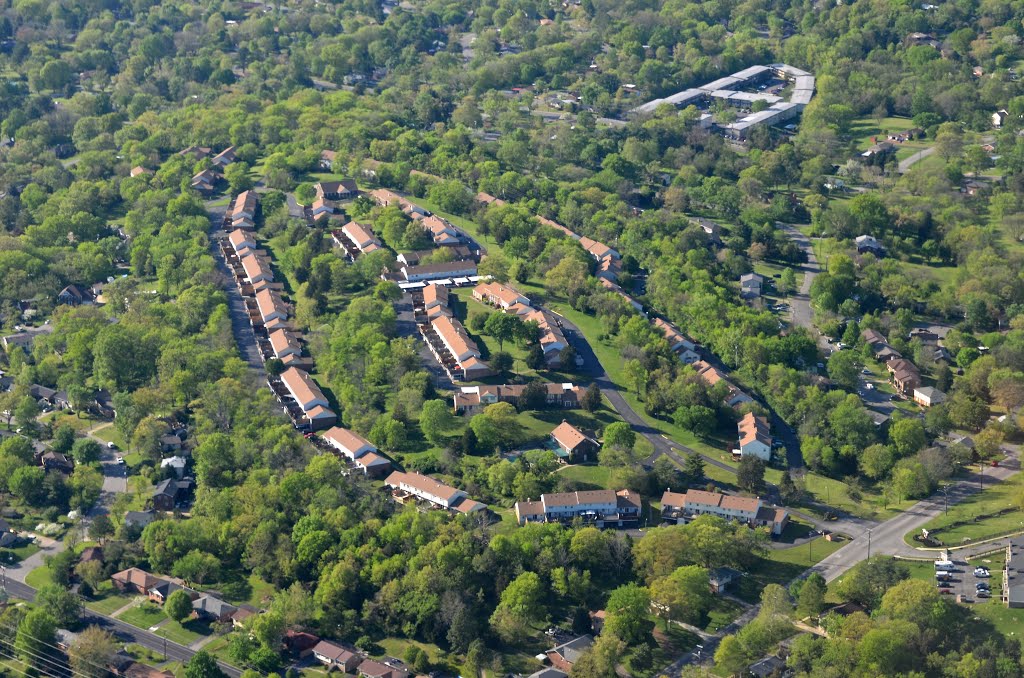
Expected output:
{"points": [[600, 508], [361, 236], [457, 353], [755, 438], [564, 395], [679, 508], [509, 300], [680, 344], [243, 210], [711, 376], [425, 488], [308, 398]]}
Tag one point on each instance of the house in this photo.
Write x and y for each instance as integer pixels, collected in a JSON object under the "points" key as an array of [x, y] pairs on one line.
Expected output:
{"points": [[336, 656], [213, 609], [488, 199], [163, 588], [459, 253], [170, 443], [327, 159], [904, 374], [552, 339], [549, 672], [501, 296], [308, 397], [171, 493], [349, 443], [55, 461], [723, 578], [927, 396], [711, 376], [423, 487], [25, 339], [435, 301], [197, 152], [609, 268], [868, 244], [750, 285], [924, 335], [336, 190], [176, 464], [320, 208], [769, 667], [205, 182], [284, 345], [879, 152], [448, 269], [562, 657], [565, 395], [598, 250], [134, 580], [441, 231], [225, 157], [371, 669], [361, 236], [999, 118], [139, 519], [139, 171], [245, 206], [679, 508], [240, 240], [600, 508], [1013, 574], [887, 353], [754, 437], [373, 465], [680, 344], [459, 355], [573, 444], [73, 295], [874, 339]]}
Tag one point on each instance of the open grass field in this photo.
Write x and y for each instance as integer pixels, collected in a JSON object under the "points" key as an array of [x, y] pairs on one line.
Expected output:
{"points": [[145, 615], [781, 566], [39, 577], [969, 512], [186, 633], [108, 601]]}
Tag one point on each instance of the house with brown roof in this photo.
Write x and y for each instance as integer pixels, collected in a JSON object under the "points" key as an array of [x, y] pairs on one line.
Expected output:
{"points": [[284, 345], [440, 230], [680, 344], [711, 376], [455, 351], [682, 507], [419, 486], [552, 339], [197, 152], [904, 374], [600, 508], [336, 190], [257, 269], [573, 444], [372, 465], [241, 240], [225, 157], [361, 236], [270, 306], [205, 182], [754, 437], [488, 199], [874, 339], [448, 269], [372, 669], [308, 398], [349, 443], [501, 296], [134, 580], [564, 395], [564, 656], [138, 171], [320, 208], [333, 655]]}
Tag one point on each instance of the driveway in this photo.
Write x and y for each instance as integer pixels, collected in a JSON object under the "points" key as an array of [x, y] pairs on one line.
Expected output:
{"points": [[905, 164]]}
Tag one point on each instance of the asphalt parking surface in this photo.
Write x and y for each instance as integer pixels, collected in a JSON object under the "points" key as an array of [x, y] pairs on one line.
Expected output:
{"points": [[964, 583]]}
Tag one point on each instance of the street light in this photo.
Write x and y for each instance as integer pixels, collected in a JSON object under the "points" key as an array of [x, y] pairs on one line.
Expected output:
{"points": [[945, 499]]}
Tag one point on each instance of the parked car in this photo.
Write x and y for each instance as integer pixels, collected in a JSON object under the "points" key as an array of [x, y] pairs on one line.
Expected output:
{"points": [[981, 572], [111, 446], [119, 459]]}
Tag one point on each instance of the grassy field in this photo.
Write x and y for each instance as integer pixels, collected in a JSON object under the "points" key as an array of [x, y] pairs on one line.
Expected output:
{"points": [[144, 616], [39, 577], [781, 566], [598, 476], [108, 602], [968, 511], [184, 634]]}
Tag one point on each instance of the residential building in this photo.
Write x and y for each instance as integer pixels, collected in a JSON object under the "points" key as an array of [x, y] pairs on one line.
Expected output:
{"points": [[197, 152], [501, 296], [874, 339], [435, 298], [562, 657], [336, 190], [423, 487], [999, 118], [284, 345], [904, 374], [723, 578], [213, 609], [1013, 573], [335, 656], [712, 375], [609, 268], [552, 339], [868, 244], [683, 507], [270, 306], [245, 205], [241, 240], [349, 443], [320, 208], [205, 182], [55, 461], [25, 339], [138, 171], [598, 250], [573, 444], [601, 508], [754, 437], [310, 400], [459, 253], [361, 236], [139, 519], [488, 199], [225, 157], [171, 493], [448, 269], [442, 232], [927, 396], [73, 295], [256, 268], [373, 465], [565, 395], [327, 160], [549, 672], [134, 580], [750, 285], [455, 351], [371, 669]]}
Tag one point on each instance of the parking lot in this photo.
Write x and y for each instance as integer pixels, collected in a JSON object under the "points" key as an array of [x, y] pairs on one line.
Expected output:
{"points": [[964, 581]]}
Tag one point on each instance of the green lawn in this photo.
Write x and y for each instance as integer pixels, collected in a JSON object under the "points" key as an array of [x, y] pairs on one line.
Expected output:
{"points": [[184, 634], [145, 615], [591, 474], [968, 513], [79, 424], [39, 577], [16, 555], [781, 566], [722, 613], [108, 603], [110, 434]]}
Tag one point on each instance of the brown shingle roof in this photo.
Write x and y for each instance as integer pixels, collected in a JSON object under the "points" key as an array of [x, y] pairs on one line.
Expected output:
{"points": [[568, 436]]}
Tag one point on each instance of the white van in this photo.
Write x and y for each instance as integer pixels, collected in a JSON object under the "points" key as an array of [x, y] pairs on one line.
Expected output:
{"points": [[944, 565]]}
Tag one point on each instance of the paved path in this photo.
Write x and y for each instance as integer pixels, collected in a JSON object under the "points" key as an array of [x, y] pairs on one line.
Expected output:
{"points": [[905, 164]]}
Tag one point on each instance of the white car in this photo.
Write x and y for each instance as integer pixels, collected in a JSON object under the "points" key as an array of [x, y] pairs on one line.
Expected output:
{"points": [[119, 459], [981, 573], [111, 446]]}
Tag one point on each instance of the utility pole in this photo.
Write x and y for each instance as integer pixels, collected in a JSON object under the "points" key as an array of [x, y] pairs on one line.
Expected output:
{"points": [[869, 544], [945, 500]]}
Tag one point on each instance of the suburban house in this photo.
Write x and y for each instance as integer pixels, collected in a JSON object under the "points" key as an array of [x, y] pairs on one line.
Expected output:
{"points": [[349, 443], [552, 339], [372, 464], [750, 285], [927, 396], [55, 461], [867, 244], [562, 657], [270, 306], [134, 580], [680, 344], [336, 190], [573, 444], [361, 236], [327, 160], [712, 375], [371, 669], [139, 171], [205, 182], [999, 117], [455, 351], [679, 508], [448, 269], [754, 437], [336, 656], [309, 398], [598, 250], [503, 297], [320, 208], [25, 339], [874, 339], [170, 493], [240, 240], [441, 231], [213, 609], [609, 268], [225, 157], [722, 579], [197, 152], [73, 295], [564, 395], [418, 486], [488, 199], [904, 374], [299, 642], [435, 301], [139, 519], [601, 508], [1013, 573]]}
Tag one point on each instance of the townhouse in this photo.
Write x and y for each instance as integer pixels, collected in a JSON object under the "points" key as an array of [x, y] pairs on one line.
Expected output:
{"points": [[712, 375], [680, 344], [361, 236], [680, 508], [349, 443], [241, 240], [336, 190], [442, 271], [309, 399], [503, 297], [455, 351], [284, 346], [552, 339], [572, 444], [564, 395], [441, 232], [600, 508], [755, 439], [410, 485], [904, 374]]}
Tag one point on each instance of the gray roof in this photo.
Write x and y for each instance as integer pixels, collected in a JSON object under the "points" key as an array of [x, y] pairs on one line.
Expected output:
{"points": [[549, 673], [574, 649], [140, 518], [213, 606], [1015, 572]]}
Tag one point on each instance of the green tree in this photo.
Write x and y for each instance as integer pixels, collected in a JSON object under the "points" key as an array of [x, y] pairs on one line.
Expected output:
{"points": [[750, 474], [178, 606], [811, 599], [843, 368], [203, 665], [62, 604], [197, 567], [86, 451], [907, 436], [37, 634], [237, 176], [436, 420], [693, 469], [731, 657], [25, 414], [521, 604], [626, 614], [684, 595], [619, 434], [92, 651], [63, 439], [591, 399], [636, 375], [502, 361], [502, 326]]}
